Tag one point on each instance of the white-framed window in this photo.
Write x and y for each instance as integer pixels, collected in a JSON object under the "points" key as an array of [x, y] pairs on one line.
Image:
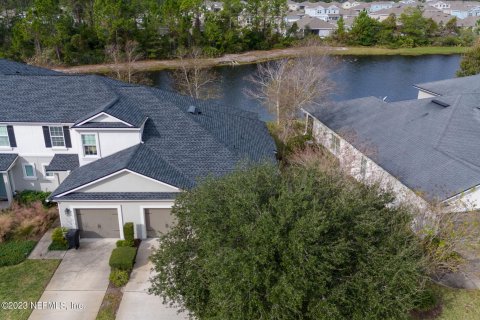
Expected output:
{"points": [[89, 145], [334, 143], [29, 171], [57, 137], [4, 141], [46, 174]]}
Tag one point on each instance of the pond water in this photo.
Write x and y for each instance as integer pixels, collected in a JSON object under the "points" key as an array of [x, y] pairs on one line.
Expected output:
{"points": [[355, 77]]}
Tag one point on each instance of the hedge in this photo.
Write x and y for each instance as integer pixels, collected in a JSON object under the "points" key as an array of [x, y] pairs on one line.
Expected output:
{"points": [[14, 252], [128, 232], [123, 258]]}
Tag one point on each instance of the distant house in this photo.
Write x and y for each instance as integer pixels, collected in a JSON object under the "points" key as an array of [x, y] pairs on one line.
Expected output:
{"points": [[440, 5], [424, 150], [376, 6], [111, 152], [350, 4], [316, 26]]}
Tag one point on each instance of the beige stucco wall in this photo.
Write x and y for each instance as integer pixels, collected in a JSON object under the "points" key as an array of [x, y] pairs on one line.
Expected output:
{"points": [[128, 182]]}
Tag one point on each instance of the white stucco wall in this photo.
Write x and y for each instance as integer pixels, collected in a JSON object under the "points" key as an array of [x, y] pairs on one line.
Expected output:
{"points": [[350, 159], [128, 211], [30, 142], [108, 142], [423, 95]]}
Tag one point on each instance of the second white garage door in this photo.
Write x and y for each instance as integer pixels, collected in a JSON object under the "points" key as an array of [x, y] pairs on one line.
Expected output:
{"points": [[158, 221], [98, 223]]}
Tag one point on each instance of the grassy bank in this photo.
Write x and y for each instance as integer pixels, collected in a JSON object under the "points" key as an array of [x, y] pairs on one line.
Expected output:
{"points": [[419, 51], [261, 56]]}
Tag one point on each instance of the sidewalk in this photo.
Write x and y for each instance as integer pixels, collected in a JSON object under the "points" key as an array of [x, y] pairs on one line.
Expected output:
{"points": [[41, 249]]}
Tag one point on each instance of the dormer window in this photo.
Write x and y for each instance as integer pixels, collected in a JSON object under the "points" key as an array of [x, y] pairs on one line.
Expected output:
{"points": [[57, 137]]}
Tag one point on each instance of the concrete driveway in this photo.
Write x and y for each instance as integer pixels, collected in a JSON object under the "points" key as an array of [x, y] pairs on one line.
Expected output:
{"points": [[136, 302], [77, 288]]}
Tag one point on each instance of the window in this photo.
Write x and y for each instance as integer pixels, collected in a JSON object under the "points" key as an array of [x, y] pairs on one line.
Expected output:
{"points": [[89, 143], [4, 141], [46, 174], [57, 137], [29, 171], [335, 143], [363, 167]]}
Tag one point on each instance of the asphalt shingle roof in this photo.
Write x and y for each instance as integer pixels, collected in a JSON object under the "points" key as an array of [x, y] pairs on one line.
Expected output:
{"points": [[8, 67], [428, 147], [454, 86], [95, 196], [63, 162], [6, 160]]}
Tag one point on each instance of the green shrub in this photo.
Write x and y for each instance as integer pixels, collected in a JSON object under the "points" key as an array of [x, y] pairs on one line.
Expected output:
{"points": [[28, 197], [119, 278], [58, 235], [58, 246], [427, 300], [14, 252], [123, 258], [128, 233]]}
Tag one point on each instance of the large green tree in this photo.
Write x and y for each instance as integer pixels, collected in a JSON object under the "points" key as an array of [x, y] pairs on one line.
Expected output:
{"points": [[302, 244], [470, 64], [364, 30]]}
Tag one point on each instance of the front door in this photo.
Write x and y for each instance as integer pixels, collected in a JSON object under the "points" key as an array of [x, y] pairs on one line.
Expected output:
{"points": [[3, 189]]}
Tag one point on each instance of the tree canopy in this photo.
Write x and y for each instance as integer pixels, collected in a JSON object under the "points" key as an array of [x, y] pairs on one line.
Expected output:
{"points": [[470, 64], [298, 244]]}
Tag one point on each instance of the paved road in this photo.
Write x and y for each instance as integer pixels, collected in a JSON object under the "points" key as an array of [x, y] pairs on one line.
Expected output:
{"points": [[79, 284], [136, 302]]}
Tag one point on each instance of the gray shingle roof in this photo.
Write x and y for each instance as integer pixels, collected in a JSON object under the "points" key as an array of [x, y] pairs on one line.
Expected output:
{"points": [[428, 147], [63, 99], [454, 86], [8, 67], [63, 162], [113, 196], [6, 160]]}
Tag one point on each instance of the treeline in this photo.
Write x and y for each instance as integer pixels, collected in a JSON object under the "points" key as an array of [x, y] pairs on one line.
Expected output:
{"points": [[78, 31], [410, 29]]}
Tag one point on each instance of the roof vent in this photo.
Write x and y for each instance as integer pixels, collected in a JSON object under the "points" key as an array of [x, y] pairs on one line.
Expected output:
{"points": [[441, 103], [192, 110]]}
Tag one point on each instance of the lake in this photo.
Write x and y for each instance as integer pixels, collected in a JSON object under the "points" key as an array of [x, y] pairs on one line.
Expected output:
{"points": [[355, 77]]}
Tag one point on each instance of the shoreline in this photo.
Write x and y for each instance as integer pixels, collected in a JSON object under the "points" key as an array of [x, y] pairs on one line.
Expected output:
{"points": [[252, 57]]}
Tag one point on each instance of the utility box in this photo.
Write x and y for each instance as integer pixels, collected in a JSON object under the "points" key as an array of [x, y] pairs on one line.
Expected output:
{"points": [[73, 238]]}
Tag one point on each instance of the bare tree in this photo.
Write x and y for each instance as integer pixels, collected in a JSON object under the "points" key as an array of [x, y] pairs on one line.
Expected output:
{"points": [[285, 86], [122, 60], [194, 78]]}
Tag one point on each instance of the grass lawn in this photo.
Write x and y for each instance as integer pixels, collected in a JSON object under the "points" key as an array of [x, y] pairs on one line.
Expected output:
{"points": [[401, 51], [24, 282], [460, 304]]}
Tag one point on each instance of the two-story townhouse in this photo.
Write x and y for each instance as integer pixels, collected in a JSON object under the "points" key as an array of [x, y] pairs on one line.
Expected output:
{"points": [[424, 150], [112, 152], [316, 10]]}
